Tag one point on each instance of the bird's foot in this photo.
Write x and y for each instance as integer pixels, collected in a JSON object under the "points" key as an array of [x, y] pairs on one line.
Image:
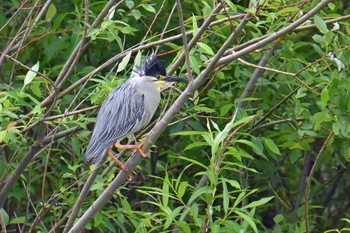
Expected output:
{"points": [[115, 159], [132, 147], [119, 163]]}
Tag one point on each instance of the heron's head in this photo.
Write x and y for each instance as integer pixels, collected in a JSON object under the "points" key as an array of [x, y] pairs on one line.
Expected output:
{"points": [[154, 70]]}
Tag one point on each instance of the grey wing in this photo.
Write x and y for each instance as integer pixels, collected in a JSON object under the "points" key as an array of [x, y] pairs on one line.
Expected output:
{"points": [[121, 114]]}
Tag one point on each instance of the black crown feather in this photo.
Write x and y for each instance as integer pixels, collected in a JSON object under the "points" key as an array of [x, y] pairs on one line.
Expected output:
{"points": [[152, 66]]}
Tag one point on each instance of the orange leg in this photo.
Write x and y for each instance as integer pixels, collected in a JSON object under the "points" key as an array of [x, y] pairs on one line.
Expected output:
{"points": [[116, 160], [131, 147]]}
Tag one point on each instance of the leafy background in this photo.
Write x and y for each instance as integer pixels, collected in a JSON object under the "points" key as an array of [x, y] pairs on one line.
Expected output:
{"points": [[262, 146]]}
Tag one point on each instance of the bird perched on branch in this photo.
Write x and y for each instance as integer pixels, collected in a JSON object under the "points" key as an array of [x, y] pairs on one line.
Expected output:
{"points": [[128, 109]]}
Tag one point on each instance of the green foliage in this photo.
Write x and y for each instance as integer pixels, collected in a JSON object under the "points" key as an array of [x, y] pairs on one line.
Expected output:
{"points": [[255, 153]]}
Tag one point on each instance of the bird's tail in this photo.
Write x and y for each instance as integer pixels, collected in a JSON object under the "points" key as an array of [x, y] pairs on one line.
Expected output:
{"points": [[94, 153]]}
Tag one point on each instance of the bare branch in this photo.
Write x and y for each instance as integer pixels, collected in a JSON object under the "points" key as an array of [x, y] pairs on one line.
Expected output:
{"points": [[311, 175], [184, 41]]}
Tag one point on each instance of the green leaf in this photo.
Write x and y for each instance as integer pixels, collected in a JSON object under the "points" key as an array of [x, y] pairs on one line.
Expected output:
{"points": [[187, 133], [192, 161], [182, 189], [70, 175], [335, 127], [184, 226], [206, 48], [31, 74], [194, 64], [18, 220], [203, 109], [172, 216], [319, 39], [3, 138], [136, 13], [320, 24], [248, 219], [97, 186], [320, 118], [195, 144], [222, 135], [148, 7], [50, 13], [232, 226], [194, 25], [255, 145], [138, 59], [165, 190], [129, 4], [260, 202], [35, 88], [233, 183], [258, 147], [199, 192], [225, 109], [300, 93], [271, 146], [124, 62], [331, 6], [225, 196], [5, 216], [288, 10], [324, 98], [111, 13], [278, 218]]}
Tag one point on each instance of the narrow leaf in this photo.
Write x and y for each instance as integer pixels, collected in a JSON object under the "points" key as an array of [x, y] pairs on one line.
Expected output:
{"points": [[324, 97], [199, 192], [31, 74], [194, 25], [172, 216], [195, 145], [124, 62], [165, 190], [260, 202], [247, 219], [225, 196]]}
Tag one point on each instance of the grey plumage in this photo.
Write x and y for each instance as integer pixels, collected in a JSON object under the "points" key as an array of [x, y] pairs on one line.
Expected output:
{"points": [[128, 108]]}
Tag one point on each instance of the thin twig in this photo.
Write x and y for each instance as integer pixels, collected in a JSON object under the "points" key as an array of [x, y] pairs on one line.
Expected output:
{"points": [[308, 185], [184, 41]]}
